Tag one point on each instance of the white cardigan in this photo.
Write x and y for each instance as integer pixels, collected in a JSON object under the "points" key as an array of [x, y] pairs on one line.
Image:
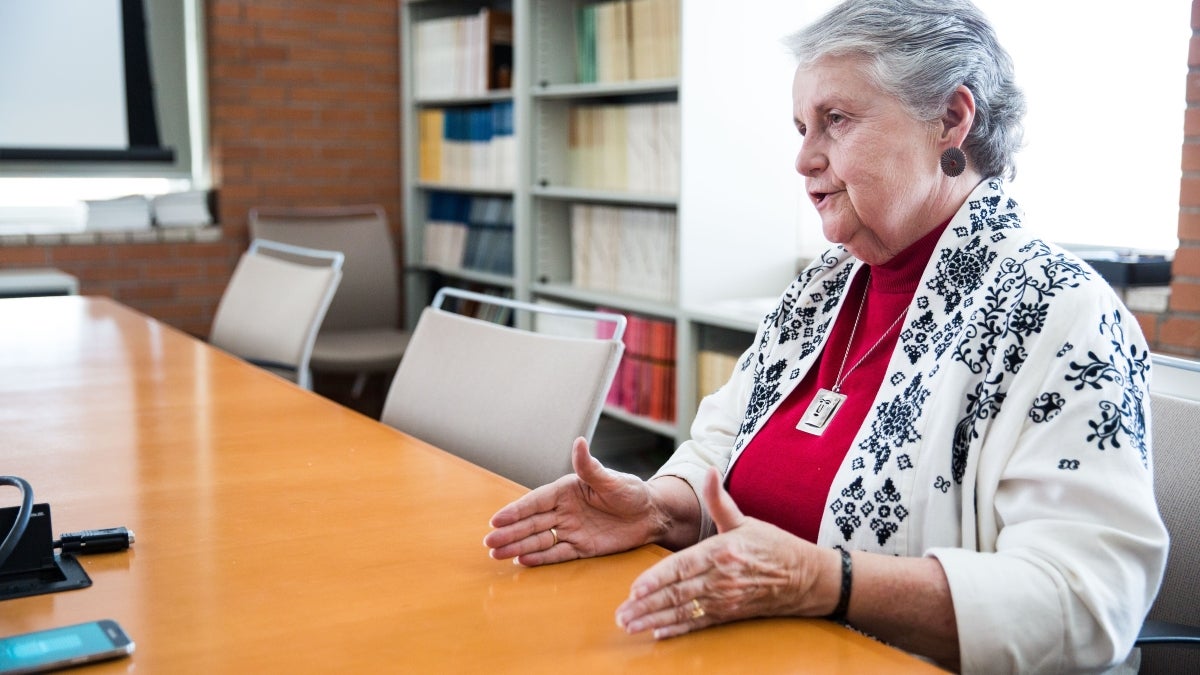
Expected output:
{"points": [[1010, 439]]}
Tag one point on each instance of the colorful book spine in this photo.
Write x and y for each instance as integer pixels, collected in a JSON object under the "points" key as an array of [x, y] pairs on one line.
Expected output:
{"points": [[626, 148], [623, 40], [465, 55], [627, 251], [470, 146], [645, 381], [465, 232]]}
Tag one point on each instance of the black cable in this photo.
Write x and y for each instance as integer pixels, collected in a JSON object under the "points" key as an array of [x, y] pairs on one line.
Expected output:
{"points": [[21, 521], [95, 541]]}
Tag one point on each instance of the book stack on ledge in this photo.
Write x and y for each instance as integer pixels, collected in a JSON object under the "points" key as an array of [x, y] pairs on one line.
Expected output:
{"points": [[470, 146], [132, 213], [645, 381], [628, 251], [631, 148], [469, 232], [463, 55], [122, 214], [181, 209], [624, 40]]}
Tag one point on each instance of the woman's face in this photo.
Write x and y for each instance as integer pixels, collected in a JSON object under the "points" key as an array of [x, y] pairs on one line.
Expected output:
{"points": [[870, 169]]}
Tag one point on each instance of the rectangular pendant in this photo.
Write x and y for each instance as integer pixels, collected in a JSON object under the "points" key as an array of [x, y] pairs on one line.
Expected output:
{"points": [[820, 412]]}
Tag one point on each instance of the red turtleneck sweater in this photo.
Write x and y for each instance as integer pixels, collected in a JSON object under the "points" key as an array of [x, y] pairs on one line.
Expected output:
{"points": [[784, 474]]}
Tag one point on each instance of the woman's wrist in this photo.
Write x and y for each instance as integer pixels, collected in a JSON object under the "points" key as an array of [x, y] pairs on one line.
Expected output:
{"points": [[675, 512], [847, 584], [826, 590]]}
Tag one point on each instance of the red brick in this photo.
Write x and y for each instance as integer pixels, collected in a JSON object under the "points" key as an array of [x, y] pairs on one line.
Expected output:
{"points": [[1189, 191], [88, 252], [261, 54], [1190, 157], [1185, 296], [1180, 334], [23, 256], [1149, 325], [1187, 262], [287, 34], [138, 292], [173, 269], [1193, 87], [1189, 224]]}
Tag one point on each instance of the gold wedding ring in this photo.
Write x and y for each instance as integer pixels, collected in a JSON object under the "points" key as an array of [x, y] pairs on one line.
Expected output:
{"points": [[554, 533], [697, 610]]}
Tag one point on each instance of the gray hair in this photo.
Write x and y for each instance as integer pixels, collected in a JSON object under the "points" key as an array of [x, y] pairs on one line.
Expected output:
{"points": [[920, 51]]}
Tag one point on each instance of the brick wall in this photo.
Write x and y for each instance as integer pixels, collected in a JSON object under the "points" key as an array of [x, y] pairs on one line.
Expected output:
{"points": [[1178, 330], [304, 104], [304, 110]]}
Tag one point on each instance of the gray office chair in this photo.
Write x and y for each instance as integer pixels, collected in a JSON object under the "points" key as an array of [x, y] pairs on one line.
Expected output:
{"points": [[361, 334], [1170, 636], [508, 399], [272, 307]]}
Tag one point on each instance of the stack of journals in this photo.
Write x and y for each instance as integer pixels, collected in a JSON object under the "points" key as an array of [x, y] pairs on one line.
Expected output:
{"points": [[470, 146], [645, 380], [121, 214], [469, 232], [463, 55], [633, 148], [630, 251], [181, 209], [623, 40]]}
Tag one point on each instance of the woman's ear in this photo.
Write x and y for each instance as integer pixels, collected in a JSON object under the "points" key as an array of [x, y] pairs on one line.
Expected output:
{"points": [[958, 118]]}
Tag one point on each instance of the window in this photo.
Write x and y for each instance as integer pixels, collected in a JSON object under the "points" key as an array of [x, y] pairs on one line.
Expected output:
{"points": [[1106, 90], [122, 111], [1104, 131]]}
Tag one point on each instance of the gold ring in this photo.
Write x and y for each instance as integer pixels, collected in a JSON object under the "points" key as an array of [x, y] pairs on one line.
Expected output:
{"points": [[697, 610], [554, 533]]}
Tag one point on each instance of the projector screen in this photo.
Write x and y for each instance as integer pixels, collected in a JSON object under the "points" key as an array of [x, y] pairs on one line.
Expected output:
{"points": [[75, 82]]}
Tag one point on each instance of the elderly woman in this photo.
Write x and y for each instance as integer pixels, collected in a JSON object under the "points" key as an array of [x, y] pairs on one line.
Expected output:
{"points": [[940, 435]]}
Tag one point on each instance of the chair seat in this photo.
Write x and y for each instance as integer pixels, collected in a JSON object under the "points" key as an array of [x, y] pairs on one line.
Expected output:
{"points": [[355, 351]]}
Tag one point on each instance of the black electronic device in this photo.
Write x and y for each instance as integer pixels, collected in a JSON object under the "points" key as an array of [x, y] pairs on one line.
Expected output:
{"points": [[33, 567], [56, 648]]}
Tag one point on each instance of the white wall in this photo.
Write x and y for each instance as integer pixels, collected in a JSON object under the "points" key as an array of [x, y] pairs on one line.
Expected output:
{"points": [[744, 215]]}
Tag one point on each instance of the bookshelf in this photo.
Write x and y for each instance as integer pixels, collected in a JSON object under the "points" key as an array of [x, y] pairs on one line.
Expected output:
{"points": [[629, 161]]}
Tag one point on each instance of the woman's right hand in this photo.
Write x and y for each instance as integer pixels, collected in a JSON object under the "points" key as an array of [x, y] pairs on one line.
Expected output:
{"points": [[594, 511]]}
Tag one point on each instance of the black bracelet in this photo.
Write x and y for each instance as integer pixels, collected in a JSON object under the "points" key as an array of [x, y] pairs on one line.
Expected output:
{"points": [[839, 612]]}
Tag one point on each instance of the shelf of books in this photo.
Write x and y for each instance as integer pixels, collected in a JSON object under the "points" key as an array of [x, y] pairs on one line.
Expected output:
{"points": [[604, 183], [460, 147]]}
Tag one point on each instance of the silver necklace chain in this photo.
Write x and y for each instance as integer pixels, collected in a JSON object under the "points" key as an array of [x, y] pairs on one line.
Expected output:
{"points": [[837, 384]]}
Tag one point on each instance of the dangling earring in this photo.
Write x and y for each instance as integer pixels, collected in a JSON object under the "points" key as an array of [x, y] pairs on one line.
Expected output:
{"points": [[954, 162]]}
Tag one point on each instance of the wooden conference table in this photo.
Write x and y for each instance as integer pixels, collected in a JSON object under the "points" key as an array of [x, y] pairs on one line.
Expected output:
{"points": [[280, 532]]}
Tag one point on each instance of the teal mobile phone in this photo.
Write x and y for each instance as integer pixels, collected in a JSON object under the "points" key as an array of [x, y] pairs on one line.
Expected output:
{"points": [[56, 648]]}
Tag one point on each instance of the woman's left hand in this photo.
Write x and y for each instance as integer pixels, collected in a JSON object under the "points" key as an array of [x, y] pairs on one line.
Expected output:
{"points": [[749, 569]]}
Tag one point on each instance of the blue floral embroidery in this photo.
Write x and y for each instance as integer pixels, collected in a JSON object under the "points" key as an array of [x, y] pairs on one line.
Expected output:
{"points": [[1125, 366]]}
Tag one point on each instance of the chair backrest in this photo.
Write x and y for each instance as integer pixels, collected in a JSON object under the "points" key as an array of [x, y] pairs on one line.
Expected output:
{"points": [[369, 295], [507, 399], [272, 307], [1175, 425]]}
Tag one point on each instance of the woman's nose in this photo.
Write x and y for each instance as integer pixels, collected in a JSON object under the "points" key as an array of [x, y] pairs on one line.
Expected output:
{"points": [[810, 161]]}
